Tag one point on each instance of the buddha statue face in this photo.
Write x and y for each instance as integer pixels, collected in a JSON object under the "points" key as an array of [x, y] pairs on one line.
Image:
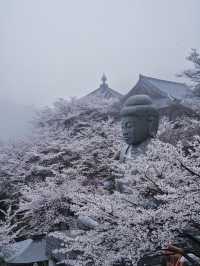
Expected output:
{"points": [[139, 119], [135, 129]]}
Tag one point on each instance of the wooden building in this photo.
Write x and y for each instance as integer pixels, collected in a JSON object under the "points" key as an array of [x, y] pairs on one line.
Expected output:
{"points": [[162, 92]]}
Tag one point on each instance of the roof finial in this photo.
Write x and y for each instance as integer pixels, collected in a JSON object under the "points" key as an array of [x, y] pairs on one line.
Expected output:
{"points": [[104, 78]]}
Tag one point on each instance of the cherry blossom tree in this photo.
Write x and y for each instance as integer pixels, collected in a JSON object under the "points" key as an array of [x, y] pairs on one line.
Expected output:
{"points": [[193, 74], [163, 198], [10, 228], [67, 173]]}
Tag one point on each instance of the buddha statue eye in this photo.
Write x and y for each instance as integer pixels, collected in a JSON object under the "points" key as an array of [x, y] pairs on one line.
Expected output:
{"points": [[128, 125]]}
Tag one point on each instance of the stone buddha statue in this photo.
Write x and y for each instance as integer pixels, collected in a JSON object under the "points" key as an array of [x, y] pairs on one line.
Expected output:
{"points": [[139, 119]]}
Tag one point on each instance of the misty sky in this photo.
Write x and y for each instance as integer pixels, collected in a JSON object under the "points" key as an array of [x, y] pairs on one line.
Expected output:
{"points": [[60, 48]]}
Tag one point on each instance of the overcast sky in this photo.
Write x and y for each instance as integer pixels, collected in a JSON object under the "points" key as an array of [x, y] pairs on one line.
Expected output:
{"points": [[60, 48]]}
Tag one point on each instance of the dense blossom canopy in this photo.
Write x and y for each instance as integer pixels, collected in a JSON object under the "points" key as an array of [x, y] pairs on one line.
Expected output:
{"points": [[69, 169]]}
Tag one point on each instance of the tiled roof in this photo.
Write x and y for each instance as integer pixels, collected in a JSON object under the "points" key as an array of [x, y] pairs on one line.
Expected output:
{"points": [[170, 88], [26, 251], [104, 91], [162, 92]]}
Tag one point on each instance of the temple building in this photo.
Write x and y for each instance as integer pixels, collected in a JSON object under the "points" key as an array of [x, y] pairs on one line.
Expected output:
{"points": [[104, 91], [162, 92]]}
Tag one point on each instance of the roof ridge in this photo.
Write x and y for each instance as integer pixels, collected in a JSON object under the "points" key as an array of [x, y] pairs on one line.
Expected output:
{"points": [[29, 241], [168, 81], [113, 91]]}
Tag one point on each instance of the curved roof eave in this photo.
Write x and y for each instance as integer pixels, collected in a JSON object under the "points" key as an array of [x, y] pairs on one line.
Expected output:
{"points": [[28, 251]]}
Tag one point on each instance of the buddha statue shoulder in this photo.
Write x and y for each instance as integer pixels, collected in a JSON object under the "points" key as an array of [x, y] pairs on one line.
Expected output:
{"points": [[139, 121]]}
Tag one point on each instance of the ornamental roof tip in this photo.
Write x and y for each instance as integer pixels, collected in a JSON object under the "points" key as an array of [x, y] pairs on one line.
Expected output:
{"points": [[104, 78]]}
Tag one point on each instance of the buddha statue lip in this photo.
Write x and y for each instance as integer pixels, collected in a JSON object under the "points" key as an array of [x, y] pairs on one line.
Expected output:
{"points": [[139, 121], [129, 139], [126, 138]]}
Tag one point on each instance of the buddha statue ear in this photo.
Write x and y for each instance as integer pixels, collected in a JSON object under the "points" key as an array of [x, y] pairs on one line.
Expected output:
{"points": [[153, 125]]}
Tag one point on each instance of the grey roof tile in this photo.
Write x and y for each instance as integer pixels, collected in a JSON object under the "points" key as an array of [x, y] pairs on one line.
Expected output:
{"points": [[26, 251], [170, 88]]}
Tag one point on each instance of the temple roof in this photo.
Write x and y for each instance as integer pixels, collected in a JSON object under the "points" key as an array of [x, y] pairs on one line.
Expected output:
{"points": [[161, 91], [26, 251], [104, 91], [171, 88]]}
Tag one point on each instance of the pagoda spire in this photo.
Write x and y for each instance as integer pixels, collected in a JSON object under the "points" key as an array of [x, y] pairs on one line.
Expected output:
{"points": [[104, 79]]}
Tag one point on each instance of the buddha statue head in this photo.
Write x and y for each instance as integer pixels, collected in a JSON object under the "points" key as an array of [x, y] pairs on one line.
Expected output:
{"points": [[139, 119]]}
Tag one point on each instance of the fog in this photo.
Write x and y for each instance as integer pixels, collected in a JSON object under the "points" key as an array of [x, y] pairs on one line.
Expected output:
{"points": [[60, 48]]}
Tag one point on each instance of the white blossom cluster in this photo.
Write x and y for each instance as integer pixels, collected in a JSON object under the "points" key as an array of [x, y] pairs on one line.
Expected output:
{"points": [[62, 174]]}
